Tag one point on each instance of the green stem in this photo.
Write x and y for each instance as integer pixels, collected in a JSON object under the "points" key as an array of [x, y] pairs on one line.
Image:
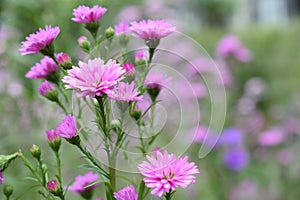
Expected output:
{"points": [[62, 107], [168, 195], [58, 165], [42, 171]]}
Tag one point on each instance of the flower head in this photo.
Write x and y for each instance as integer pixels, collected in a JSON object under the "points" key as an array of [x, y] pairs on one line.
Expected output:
{"points": [[231, 136], [45, 88], [40, 41], [141, 57], [271, 137], [126, 92], [129, 68], [85, 15], [64, 60], [44, 69], [122, 28], [127, 193], [94, 78], [51, 135], [152, 30], [236, 159], [164, 172], [67, 128], [53, 139], [53, 185], [156, 81], [230, 45], [79, 186]]}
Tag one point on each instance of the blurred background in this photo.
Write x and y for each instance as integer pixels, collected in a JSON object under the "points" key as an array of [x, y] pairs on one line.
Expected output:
{"points": [[256, 156]]}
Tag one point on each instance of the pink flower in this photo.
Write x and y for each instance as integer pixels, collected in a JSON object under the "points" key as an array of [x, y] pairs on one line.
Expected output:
{"points": [[126, 92], [43, 69], [165, 172], [67, 128], [141, 55], [85, 15], [53, 185], [62, 58], [152, 29], [230, 45], [94, 78], [45, 88], [79, 186], [156, 80], [51, 135], [2, 178], [127, 193], [81, 39], [129, 68], [122, 28], [39, 41], [271, 137]]}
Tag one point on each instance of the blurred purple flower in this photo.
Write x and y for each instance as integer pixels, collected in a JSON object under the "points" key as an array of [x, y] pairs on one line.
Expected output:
{"points": [[45, 88], [271, 137], [122, 28], [231, 136], [94, 78], [199, 134], [156, 80], [130, 13], [85, 15], [127, 193], [39, 41], [126, 92], [79, 186], [236, 159], [67, 128], [2, 178], [230, 45], [246, 189], [129, 68], [164, 172], [41, 70]]}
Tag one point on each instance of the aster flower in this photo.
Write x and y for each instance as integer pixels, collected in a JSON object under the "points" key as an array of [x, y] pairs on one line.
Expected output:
{"points": [[45, 69], [236, 159], [122, 28], [94, 78], [127, 193], [126, 92], [2, 178], [129, 71], [79, 186], [152, 30], [154, 82], [164, 172], [230, 45], [47, 90], [85, 15], [40, 41], [64, 60], [67, 128], [141, 57]]}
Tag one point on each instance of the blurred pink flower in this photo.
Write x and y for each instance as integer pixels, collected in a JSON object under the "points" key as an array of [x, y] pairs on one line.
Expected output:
{"points": [[43, 69], [122, 28], [94, 78], [2, 178], [82, 39], [127, 193], [45, 88], [246, 189], [165, 172], [199, 134], [152, 30], [79, 186], [40, 40], [129, 68], [126, 92], [271, 137], [85, 15], [51, 135], [230, 45], [67, 128], [62, 58], [130, 13], [156, 80]]}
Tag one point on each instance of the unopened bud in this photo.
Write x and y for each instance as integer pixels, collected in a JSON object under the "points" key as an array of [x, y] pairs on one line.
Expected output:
{"points": [[84, 44], [54, 187], [8, 190], [64, 60], [109, 33], [35, 151], [47, 90]]}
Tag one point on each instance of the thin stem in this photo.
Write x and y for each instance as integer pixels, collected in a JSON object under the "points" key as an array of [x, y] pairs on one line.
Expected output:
{"points": [[58, 165], [62, 107], [168, 195], [42, 171]]}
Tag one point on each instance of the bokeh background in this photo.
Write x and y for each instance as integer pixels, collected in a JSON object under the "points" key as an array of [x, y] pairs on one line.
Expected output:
{"points": [[257, 156]]}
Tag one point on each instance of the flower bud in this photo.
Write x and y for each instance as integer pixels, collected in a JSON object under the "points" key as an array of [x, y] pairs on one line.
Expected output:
{"points": [[84, 44], [53, 140], [47, 90], [35, 151], [109, 33], [54, 187], [64, 60], [141, 58], [8, 190], [116, 125], [130, 71], [135, 111]]}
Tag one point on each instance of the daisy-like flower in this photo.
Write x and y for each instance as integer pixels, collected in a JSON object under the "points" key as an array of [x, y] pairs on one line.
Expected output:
{"points": [[67, 128], [122, 28], [40, 41], [85, 15], [164, 172], [127, 193], [126, 92], [94, 78], [45, 69], [152, 30], [79, 186]]}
